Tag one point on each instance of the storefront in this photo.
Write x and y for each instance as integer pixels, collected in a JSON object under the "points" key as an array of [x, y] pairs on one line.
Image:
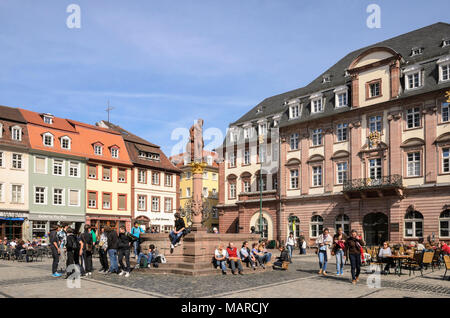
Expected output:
{"points": [[99, 221], [13, 224], [41, 224]]}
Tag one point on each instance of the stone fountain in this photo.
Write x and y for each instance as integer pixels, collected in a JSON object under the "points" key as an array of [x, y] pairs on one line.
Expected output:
{"points": [[194, 255]]}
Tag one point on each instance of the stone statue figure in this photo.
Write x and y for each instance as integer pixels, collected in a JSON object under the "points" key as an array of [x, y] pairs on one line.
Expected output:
{"points": [[196, 144]]}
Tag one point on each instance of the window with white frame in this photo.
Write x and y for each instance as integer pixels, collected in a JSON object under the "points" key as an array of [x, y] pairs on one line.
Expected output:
{"points": [[106, 173], [317, 176], [16, 133], [168, 180], [416, 51], [74, 169], [413, 80], [16, 193], [65, 143], [343, 221], [445, 72], [375, 168], [374, 89], [341, 132], [214, 176], [98, 150], [92, 172], [188, 192], [106, 201], [214, 193], [205, 175], [48, 119], [317, 137], [294, 179], [48, 140], [58, 167], [261, 180], [445, 160], [142, 176], [58, 197], [413, 224], [74, 197], [294, 141], [142, 202], [445, 112], [115, 153], [342, 99], [246, 156], [316, 105], [247, 132], [293, 111], [155, 177], [413, 164], [122, 175], [92, 200], [444, 223], [232, 190], [232, 159], [341, 173], [205, 192], [168, 205], [155, 204], [247, 186], [316, 225], [413, 117], [375, 123], [16, 161], [39, 195]]}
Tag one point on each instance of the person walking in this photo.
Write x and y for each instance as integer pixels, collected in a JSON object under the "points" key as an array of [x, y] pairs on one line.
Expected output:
{"points": [[125, 241], [338, 250], [136, 232], [54, 246], [102, 251], [302, 243], [353, 246], [86, 250], [113, 245], [290, 244], [71, 249], [324, 242]]}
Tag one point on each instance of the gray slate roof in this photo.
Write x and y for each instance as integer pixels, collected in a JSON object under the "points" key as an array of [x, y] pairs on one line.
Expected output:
{"points": [[429, 38]]}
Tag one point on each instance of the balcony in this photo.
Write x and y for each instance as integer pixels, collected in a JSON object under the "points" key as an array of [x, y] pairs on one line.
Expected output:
{"points": [[255, 196], [373, 188]]}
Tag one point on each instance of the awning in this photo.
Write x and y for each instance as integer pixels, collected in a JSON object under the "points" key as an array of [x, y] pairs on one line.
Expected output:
{"points": [[11, 219]]}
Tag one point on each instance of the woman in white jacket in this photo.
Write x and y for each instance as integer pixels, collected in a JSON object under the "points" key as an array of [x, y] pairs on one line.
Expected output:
{"points": [[290, 244], [324, 242]]}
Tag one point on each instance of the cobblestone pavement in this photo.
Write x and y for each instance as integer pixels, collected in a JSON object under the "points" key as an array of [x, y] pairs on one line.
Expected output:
{"points": [[301, 280]]}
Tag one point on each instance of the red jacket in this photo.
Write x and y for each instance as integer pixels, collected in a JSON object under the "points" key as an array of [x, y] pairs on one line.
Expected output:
{"points": [[446, 248], [232, 252]]}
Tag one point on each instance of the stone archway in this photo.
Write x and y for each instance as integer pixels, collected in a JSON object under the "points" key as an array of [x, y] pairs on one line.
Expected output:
{"points": [[376, 228], [267, 224]]}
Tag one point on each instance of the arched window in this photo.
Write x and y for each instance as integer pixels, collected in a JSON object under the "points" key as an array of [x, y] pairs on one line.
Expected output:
{"points": [[265, 227], [444, 223], [294, 225], [65, 142], [316, 225], [47, 139], [413, 224], [343, 221]]}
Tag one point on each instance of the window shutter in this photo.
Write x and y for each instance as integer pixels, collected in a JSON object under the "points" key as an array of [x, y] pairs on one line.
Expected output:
{"points": [[92, 196], [40, 165], [122, 174], [92, 170], [122, 202], [74, 197]]}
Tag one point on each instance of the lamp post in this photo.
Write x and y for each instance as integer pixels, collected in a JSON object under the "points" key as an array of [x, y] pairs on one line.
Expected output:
{"points": [[261, 141]]}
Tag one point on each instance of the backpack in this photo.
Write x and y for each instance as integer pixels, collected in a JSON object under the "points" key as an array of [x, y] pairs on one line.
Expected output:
{"points": [[88, 240], [143, 263], [72, 243]]}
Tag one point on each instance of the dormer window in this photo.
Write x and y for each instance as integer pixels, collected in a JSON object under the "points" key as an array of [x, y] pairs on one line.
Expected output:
{"points": [[65, 143], [413, 77], [258, 110], [16, 133], [98, 150], [341, 96], [293, 111], [48, 139], [316, 103], [444, 68], [416, 51], [115, 152], [446, 42], [48, 119], [326, 78]]}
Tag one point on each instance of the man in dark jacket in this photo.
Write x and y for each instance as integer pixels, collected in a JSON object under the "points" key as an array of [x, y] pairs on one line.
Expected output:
{"points": [[176, 234], [87, 247], [72, 248], [353, 246], [54, 246], [125, 240], [113, 245], [284, 257]]}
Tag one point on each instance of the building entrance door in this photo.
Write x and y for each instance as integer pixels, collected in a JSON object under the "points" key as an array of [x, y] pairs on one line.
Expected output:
{"points": [[375, 226]]}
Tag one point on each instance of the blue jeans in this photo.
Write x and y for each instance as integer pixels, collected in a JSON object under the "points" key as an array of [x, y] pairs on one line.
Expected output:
{"points": [[149, 258], [302, 250], [136, 247], [175, 237], [355, 262], [339, 261], [323, 260], [222, 264], [290, 249], [114, 267], [267, 257]]}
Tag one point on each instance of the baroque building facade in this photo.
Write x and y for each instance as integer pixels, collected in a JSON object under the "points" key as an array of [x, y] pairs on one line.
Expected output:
{"points": [[364, 146]]}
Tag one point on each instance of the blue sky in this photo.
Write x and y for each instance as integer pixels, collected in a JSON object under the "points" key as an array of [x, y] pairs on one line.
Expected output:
{"points": [[163, 64]]}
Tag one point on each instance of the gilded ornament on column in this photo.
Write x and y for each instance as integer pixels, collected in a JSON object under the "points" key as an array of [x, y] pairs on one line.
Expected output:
{"points": [[447, 94]]}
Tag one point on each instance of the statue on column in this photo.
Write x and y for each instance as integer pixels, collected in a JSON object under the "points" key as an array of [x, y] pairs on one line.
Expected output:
{"points": [[196, 144]]}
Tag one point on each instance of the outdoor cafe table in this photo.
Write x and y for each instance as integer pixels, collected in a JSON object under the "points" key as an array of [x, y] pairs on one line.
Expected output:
{"points": [[398, 262]]}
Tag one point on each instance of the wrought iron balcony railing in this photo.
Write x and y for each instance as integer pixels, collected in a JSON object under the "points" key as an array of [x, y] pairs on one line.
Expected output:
{"points": [[392, 181]]}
